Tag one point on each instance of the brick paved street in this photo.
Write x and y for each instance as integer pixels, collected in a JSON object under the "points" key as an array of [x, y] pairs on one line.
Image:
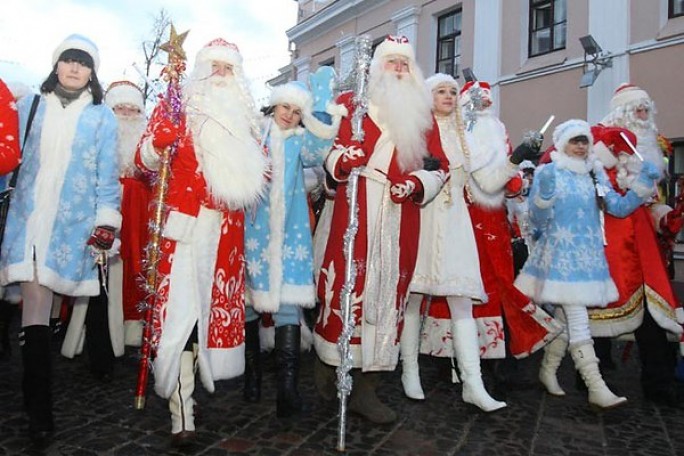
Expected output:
{"points": [[96, 418]]}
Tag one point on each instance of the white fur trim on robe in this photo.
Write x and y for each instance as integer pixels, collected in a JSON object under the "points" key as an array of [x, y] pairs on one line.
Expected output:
{"points": [[587, 294], [179, 226]]}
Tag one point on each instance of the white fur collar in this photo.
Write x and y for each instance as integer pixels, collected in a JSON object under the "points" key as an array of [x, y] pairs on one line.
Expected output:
{"points": [[575, 165]]}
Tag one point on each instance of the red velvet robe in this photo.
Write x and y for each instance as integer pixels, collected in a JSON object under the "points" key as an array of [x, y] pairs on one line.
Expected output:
{"points": [[373, 346]]}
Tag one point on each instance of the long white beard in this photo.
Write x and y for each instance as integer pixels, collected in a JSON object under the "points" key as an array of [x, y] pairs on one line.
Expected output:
{"points": [[405, 109], [229, 156], [130, 131], [487, 138], [647, 145]]}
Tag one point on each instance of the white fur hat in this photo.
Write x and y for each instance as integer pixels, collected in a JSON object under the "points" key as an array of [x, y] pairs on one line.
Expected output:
{"points": [[395, 45], [220, 50], [570, 129], [440, 79], [293, 92], [124, 93], [627, 93], [81, 43]]}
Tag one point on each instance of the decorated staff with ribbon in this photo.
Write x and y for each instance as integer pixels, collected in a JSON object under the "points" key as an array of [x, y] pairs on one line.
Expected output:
{"points": [[404, 167], [217, 169]]}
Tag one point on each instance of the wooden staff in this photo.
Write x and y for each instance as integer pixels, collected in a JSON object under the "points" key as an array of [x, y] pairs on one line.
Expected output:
{"points": [[344, 380], [172, 73]]}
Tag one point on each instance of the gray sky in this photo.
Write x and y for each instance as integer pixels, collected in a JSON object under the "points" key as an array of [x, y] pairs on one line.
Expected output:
{"points": [[31, 29]]}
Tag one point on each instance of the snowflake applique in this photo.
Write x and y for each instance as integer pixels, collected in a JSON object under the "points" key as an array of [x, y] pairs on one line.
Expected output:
{"points": [[255, 267], [302, 252], [252, 244]]}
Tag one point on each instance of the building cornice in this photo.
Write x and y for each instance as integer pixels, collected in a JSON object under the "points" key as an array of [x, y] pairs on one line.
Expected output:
{"points": [[571, 64], [329, 17]]}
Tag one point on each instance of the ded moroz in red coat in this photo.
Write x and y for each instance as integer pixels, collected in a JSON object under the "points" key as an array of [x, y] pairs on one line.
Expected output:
{"points": [[636, 264], [386, 245], [200, 277]]}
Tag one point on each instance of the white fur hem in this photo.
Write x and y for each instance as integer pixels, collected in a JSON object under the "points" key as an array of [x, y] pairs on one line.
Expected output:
{"points": [[23, 272], [298, 295], [107, 216], [179, 226], [588, 294], [133, 331]]}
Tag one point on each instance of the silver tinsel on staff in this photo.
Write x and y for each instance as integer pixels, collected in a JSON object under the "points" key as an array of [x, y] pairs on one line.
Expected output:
{"points": [[344, 380]]}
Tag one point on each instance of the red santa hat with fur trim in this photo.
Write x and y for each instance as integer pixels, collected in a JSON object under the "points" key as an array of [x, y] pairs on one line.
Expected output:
{"points": [[628, 94], [220, 50], [472, 86], [124, 93]]}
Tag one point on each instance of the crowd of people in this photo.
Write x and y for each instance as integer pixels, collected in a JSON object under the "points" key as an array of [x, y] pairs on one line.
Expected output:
{"points": [[447, 212]]}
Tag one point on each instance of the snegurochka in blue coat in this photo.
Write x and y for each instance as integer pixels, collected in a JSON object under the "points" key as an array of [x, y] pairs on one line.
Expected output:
{"points": [[64, 211], [567, 266], [278, 245]]}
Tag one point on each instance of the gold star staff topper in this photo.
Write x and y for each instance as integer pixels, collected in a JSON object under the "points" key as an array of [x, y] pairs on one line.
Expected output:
{"points": [[174, 47]]}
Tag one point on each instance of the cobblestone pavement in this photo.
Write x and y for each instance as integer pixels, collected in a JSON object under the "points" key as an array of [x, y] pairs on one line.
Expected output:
{"points": [[97, 418]]}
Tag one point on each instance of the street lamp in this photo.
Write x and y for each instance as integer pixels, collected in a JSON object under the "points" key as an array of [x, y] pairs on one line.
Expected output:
{"points": [[594, 56]]}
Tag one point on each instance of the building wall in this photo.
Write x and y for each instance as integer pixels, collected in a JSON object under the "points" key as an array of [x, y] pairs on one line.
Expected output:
{"points": [[646, 48]]}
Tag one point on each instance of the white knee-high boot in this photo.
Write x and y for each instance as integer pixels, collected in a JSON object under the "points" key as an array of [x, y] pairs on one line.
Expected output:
{"points": [[181, 402], [554, 353], [409, 344], [587, 364], [467, 350]]}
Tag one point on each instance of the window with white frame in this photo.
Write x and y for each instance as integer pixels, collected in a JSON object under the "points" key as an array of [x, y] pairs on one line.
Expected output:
{"points": [[449, 43], [548, 23]]}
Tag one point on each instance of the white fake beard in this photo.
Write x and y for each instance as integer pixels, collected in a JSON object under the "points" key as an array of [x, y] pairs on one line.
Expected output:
{"points": [[229, 156], [488, 132], [405, 108], [130, 131], [647, 145]]}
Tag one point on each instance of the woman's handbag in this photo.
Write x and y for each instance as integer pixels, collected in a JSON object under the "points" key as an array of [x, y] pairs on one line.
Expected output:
{"points": [[7, 192]]}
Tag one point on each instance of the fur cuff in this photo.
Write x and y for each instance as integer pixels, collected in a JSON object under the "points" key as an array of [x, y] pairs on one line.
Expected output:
{"points": [[432, 181], [331, 160], [321, 129], [543, 203], [106, 216], [179, 226], [679, 315], [642, 191], [149, 156]]}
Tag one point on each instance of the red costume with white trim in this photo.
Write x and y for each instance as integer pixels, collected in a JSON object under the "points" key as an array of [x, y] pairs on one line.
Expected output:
{"points": [[387, 242]]}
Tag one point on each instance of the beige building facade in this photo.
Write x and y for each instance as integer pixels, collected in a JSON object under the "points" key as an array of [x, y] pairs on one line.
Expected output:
{"points": [[529, 50]]}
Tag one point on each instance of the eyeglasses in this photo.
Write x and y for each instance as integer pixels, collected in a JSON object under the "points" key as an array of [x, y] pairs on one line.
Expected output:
{"points": [[583, 140]]}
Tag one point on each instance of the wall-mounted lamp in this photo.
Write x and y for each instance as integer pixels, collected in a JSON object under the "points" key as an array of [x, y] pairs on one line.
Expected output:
{"points": [[595, 59]]}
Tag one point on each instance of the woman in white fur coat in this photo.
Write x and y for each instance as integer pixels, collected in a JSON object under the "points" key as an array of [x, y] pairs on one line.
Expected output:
{"points": [[567, 266], [278, 246], [64, 211]]}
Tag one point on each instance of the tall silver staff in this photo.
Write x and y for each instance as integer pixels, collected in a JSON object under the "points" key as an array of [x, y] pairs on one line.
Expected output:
{"points": [[344, 380]]}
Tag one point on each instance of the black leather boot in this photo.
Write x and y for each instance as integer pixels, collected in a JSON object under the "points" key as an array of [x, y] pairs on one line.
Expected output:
{"points": [[37, 382], [287, 346], [6, 312], [252, 386]]}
